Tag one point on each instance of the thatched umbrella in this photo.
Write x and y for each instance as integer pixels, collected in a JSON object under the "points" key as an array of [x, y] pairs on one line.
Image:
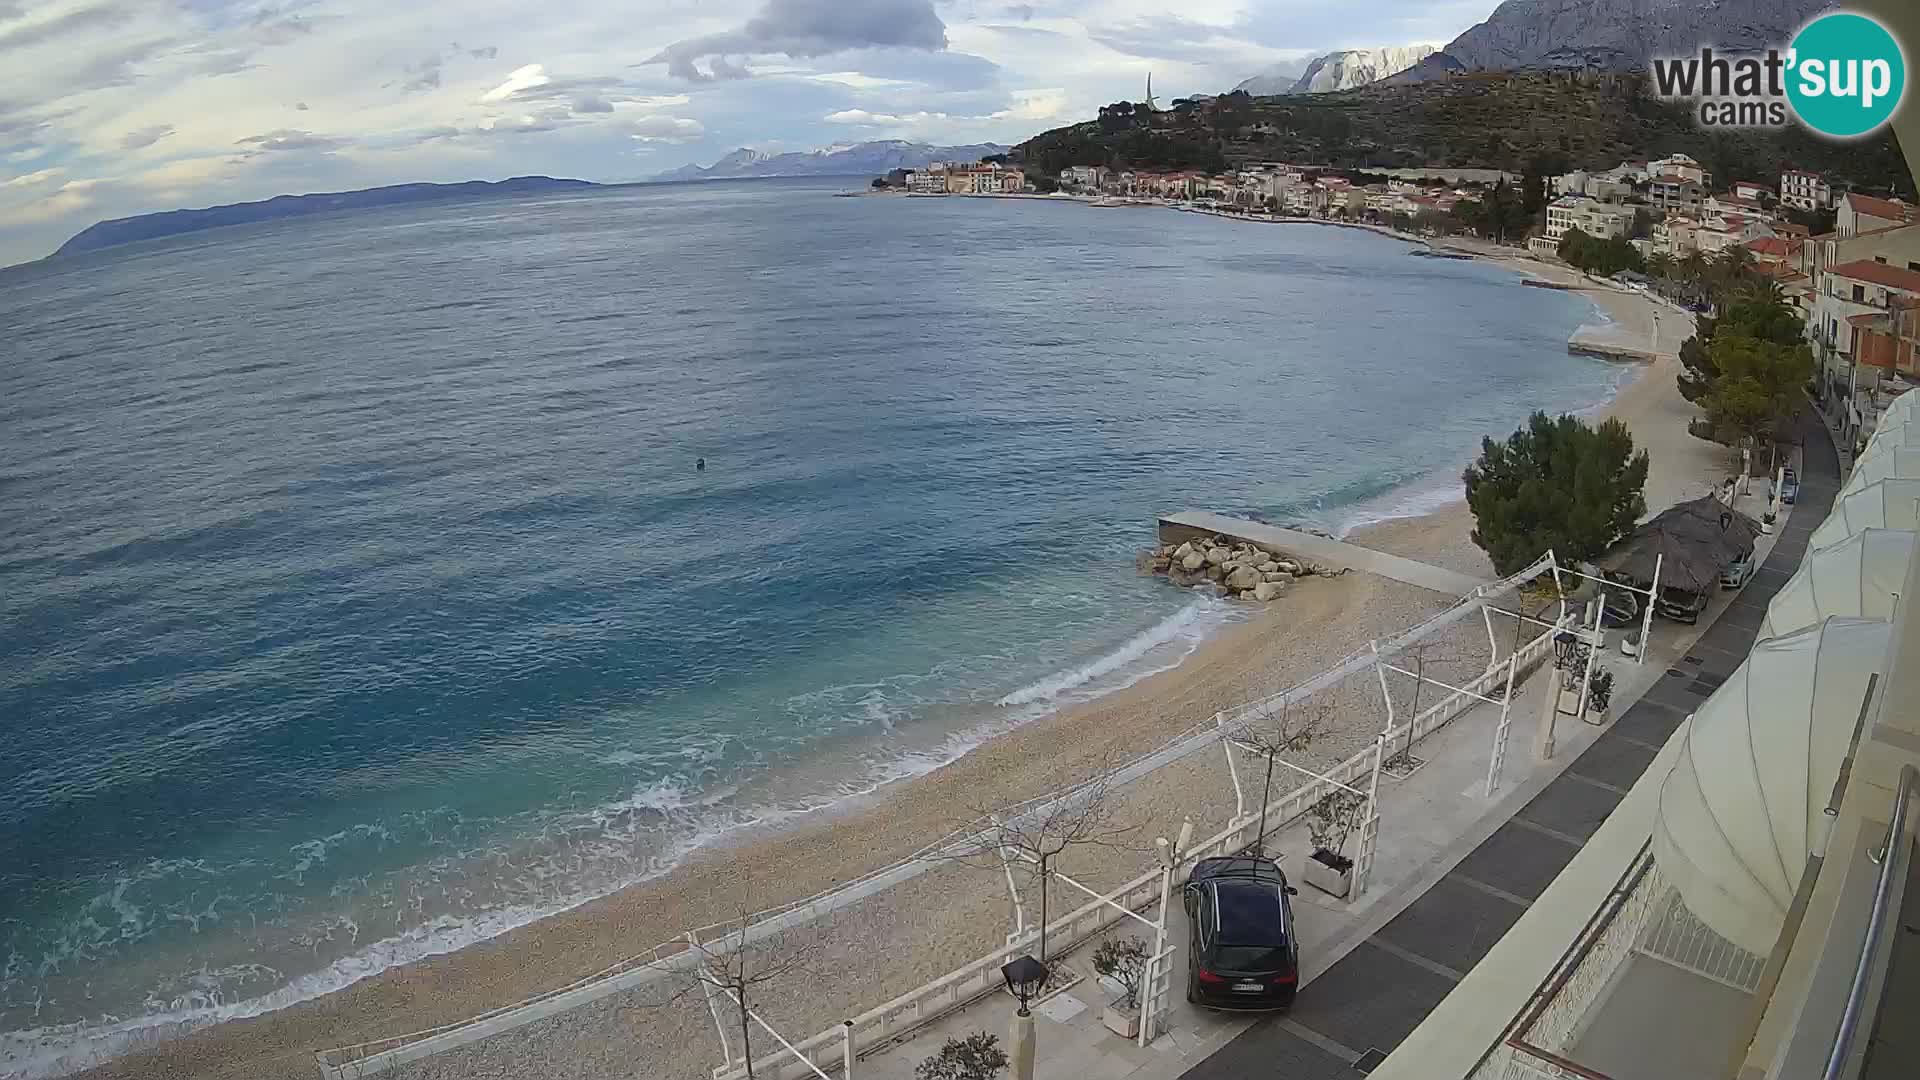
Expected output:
{"points": [[1692, 541]]}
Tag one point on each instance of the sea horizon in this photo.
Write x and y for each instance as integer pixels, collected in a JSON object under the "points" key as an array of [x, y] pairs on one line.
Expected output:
{"points": [[429, 574]]}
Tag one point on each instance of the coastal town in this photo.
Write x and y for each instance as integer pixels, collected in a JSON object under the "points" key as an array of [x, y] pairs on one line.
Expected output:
{"points": [[1848, 262]]}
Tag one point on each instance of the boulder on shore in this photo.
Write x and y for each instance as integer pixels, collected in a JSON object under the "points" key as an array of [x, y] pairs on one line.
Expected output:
{"points": [[1243, 577], [1216, 572], [1192, 560], [1268, 590], [1183, 550], [1219, 555]]}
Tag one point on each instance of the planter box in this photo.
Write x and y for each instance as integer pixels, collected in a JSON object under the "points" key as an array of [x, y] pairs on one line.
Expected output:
{"points": [[1122, 1021], [1329, 873]]}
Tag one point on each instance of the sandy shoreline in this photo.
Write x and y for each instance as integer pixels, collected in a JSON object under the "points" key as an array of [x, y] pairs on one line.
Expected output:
{"points": [[944, 917]]}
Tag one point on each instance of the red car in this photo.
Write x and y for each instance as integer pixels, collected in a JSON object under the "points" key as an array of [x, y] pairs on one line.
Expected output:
{"points": [[1242, 953]]}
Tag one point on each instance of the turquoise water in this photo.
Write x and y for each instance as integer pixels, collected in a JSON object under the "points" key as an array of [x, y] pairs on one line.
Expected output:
{"points": [[362, 598]]}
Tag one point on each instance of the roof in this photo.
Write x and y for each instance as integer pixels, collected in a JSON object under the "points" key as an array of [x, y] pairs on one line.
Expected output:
{"points": [[1773, 245], [1867, 319], [1890, 277], [1891, 209], [1692, 542], [1735, 200], [1752, 183]]}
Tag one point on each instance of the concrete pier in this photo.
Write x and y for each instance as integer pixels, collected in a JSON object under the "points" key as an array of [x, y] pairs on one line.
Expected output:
{"points": [[1318, 550]]}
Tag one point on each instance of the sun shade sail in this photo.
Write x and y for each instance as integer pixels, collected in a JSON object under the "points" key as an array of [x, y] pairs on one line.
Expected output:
{"points": [[1744, 805], [1887, 462], [1856, 577], [1885, 504]]}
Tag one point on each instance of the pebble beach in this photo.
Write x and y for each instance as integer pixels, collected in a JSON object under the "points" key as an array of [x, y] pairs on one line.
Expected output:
{"points": [[885, 945]]}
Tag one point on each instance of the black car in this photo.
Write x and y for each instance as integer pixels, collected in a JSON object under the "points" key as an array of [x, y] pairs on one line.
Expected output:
{"points": [[1242, 953]]}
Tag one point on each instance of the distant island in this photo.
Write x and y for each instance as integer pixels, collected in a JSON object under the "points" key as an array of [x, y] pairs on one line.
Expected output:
{"points": [[878, 157], [127, 230]]}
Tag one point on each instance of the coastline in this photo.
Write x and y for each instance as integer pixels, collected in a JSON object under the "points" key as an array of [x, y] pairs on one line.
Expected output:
{"points": [[1317, 622]]}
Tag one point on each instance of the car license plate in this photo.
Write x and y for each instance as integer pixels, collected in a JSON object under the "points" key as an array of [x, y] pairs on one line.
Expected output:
{"points": [[1247, 988]]}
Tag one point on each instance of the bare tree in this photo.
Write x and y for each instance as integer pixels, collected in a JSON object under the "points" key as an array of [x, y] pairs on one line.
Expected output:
{"points": [[1271, 732], [1034, 834], [1420, 654], [737, 960]]}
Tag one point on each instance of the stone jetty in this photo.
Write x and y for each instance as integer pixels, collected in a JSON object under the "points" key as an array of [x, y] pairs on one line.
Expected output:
{"points": [[1229, 567]]}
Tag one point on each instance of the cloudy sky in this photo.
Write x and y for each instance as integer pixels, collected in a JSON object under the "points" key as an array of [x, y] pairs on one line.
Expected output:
{"points": [[116, 107]]}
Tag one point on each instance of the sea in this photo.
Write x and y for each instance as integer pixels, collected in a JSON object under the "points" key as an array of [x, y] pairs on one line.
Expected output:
{"points": [[373, 584]]}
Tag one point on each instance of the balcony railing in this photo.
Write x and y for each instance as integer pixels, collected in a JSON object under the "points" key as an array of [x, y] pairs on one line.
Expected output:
{"points": [[1893, 855]]}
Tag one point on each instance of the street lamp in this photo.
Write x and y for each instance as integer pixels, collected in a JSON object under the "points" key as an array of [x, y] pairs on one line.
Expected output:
{"points": [[1025, 976]]}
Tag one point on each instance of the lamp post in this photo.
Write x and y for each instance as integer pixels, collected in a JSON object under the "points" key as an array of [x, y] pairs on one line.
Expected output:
{"points": [[1025, 976]]}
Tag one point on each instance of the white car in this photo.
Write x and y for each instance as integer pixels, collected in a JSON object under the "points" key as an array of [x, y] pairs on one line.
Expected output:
{"points": [[1736, 573]]}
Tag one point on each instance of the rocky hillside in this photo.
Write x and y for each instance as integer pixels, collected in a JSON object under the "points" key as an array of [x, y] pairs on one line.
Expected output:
{"points": [[1554, 120], [1612, 35], [1343, 70]]}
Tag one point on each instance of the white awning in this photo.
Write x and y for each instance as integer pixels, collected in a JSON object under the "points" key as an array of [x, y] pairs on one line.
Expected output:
{"points": [[1885, 504], [1889, 462], [1899, 433], [1744, 805], [1856, 577], [1901, 411]]}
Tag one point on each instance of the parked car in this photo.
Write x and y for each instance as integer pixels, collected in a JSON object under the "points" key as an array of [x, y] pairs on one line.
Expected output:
{"points": [[1789, 487], [1680, 605], [1242, 953], [1737, 571], [1622, 608]]}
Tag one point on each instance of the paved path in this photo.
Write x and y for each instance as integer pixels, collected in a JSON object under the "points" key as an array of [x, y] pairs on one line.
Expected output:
{"points": [[1349, 1018], [1323, 551]]}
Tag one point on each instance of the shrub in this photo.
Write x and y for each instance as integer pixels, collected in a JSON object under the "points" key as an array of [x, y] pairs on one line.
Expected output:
{"points": [[1124, 960], [976, 1057]]}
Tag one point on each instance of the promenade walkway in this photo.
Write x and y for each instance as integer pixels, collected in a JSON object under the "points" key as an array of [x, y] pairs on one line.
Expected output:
{"points": [[1320, 550], [1352, 1016]]}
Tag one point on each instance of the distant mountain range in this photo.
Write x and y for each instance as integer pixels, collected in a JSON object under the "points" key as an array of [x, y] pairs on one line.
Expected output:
{"points": [[859, 159], [1341, 70], [1612, 35], [173, 222]]}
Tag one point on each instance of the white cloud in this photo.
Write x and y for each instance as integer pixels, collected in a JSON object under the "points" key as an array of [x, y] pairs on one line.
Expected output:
{"points": [[667, 129], [873, 119], [35, 179], [853, 79], [522, 78], [166, 104]]}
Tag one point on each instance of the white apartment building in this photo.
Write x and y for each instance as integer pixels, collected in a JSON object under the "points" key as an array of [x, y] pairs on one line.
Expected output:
{"points": [[1804, 190], [1603, 220]]}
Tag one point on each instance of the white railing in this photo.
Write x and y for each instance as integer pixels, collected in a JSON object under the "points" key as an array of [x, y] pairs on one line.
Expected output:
{"points": [[978, 977]]}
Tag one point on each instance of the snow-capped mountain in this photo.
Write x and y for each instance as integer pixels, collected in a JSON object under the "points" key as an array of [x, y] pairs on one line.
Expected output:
{"points": [[857, 159]]}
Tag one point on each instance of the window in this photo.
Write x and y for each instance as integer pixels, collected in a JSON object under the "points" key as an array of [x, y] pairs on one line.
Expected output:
{"points": [[1859, 294]]}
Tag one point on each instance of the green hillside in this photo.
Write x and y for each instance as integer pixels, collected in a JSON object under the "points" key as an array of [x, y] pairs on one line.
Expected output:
{"points": [[1494, 120]]}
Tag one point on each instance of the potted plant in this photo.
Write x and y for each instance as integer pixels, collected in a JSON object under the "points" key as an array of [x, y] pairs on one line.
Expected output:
{"points": [[1124, 961], [1329, 821], [976, 1057]]}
